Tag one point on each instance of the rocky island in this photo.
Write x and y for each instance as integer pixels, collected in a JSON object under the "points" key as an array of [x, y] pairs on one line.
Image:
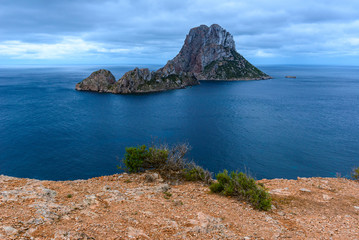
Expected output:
{"points": [[208, 53]]}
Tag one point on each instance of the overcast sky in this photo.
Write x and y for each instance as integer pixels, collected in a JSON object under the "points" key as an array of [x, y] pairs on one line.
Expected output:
{"points": [[152, 32]]}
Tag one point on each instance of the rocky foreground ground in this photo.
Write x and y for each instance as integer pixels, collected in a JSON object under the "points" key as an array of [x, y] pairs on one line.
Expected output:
{"points": [[143, 206]]}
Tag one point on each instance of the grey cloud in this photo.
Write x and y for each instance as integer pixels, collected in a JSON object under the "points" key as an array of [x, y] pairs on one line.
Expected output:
{"points": [[159, 27]]}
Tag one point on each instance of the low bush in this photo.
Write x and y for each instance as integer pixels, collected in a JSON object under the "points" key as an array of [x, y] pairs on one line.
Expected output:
{"points": [[242, 186], [140, 158], [134, 158], [169, 162], [355, 173], [197, 173], [156, 157]]}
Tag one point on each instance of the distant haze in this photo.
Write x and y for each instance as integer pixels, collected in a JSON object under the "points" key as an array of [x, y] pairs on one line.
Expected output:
{"points": [[152, 32]]}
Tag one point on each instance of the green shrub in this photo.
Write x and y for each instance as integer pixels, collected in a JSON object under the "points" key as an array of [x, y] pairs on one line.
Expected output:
{"points": [[242, 186], [194, 172], [140, 158], [134, 158], [171, 163], [216, 187], [355, 173], [156, 158]]}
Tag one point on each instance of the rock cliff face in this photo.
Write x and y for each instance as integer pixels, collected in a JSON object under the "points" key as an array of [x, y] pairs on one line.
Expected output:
{"points": [[144, 81], [208, 53]]}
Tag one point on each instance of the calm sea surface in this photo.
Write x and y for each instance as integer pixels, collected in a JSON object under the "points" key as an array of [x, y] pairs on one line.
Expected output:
{"points": [[279, 128]]}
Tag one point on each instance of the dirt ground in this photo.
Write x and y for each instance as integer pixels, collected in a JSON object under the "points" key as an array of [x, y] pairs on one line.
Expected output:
{"points": [[143, 206]]}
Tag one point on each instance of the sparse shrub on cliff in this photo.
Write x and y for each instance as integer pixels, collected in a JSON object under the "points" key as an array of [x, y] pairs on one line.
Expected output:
{"points": [[178, 166], [169, 162], [134, 158], [242, 186], [355, 173], [140, 158], [156, 157], [197, 173]]}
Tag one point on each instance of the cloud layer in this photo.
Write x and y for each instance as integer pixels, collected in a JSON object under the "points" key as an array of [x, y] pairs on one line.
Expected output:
{"points": [[138, 31]]}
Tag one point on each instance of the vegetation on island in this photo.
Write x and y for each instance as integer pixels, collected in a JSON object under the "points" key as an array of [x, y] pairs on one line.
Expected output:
{"points": [[238, 68], [171, 163]]}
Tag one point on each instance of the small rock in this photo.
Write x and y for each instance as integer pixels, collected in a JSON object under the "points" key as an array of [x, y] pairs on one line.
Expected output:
{"points": [[172, 224], [9, 230], [49, 193], [163, 187], [326, 197], [90, 200], [139, 193], [281, 213], [356, 207], [304, 190], [274, 191], [206, 224], [280, 191], [136, 233], [31, 230], [60, 234], [151, 177]]}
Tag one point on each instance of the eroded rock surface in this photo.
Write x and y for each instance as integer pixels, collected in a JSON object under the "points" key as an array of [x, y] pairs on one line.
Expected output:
{"points": [[144, 81], [210, 53], [99, 81]]}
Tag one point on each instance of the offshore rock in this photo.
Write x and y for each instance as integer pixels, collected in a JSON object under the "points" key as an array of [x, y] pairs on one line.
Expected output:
{"points": [[208, 53], [99, 81], [137, 81]]}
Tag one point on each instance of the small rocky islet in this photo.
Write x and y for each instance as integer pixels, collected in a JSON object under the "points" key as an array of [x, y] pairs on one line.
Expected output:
{"points": [[208, 53]]}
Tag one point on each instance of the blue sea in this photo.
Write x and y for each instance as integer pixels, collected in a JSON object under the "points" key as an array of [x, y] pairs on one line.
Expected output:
{"points": [[278, 128]]}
